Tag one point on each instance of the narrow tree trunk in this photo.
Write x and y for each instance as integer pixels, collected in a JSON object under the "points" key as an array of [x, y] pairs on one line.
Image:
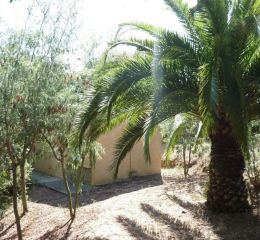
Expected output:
{"points": [[184, 160], [227, 190], [79, 180], [15, 207], [23, 187], [189, 160], [64, 174]]}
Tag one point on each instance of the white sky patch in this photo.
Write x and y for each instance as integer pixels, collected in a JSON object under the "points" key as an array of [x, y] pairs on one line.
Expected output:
{"points": [[99, 19]]}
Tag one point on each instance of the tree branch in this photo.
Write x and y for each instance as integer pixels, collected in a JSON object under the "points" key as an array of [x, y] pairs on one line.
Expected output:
{"points": [[51, 146]]}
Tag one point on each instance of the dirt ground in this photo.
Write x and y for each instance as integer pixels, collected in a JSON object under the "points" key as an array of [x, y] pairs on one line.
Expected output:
{"points": [[167, 207]]}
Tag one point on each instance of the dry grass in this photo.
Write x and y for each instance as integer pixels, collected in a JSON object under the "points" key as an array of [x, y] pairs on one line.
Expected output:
{"points": [[145, 208]]}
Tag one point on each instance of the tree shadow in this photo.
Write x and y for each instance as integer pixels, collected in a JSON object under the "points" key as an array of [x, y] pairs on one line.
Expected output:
{"points": [[239, 226], [136, 230], [95, 194], [12, 237], [181, 230], [198, 210], [14, 234], [95, 238], [61, 232], [3, 230], [190, 184], [177, 229]]}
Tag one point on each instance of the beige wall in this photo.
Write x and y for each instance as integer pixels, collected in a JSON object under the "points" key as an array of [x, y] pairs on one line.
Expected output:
{"points": [[133, 164], [48, 164]]}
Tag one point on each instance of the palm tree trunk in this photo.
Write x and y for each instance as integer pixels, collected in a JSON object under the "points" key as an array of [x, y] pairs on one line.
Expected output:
{"points": [[23, 187], [15, 207], [227, 190]]}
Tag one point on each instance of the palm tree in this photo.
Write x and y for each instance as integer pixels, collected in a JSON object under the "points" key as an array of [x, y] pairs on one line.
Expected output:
{"points": [[212, 72]]}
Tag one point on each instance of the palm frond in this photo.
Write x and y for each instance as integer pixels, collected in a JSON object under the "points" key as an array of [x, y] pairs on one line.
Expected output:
{"points": [[251, 54], [180, 125], [131, 72], [131, 134], [173, 46], [216, 13], [149, 131], [150, 29], [85, 117], [184, 15], [208, 94], [95, 151], [144, 45]]}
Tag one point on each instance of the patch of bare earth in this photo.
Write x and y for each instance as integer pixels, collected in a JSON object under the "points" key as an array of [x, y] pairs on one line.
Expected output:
{"points": [[143, 208]]}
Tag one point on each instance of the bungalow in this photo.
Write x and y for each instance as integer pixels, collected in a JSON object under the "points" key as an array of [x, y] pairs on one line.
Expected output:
{"points": [[133, 164]]}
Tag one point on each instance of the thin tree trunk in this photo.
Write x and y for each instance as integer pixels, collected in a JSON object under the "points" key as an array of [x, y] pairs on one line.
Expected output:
{"points": [[79, 180], [227, 189], [189, 160], [184, 160], [15, 207], [64, 174], [23, 187]]}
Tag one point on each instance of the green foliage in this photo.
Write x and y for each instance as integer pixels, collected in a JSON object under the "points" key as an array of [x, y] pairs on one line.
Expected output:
{"points": [[184, 129], [5, 185], [31, 61], [64, 103], [210, 72]]}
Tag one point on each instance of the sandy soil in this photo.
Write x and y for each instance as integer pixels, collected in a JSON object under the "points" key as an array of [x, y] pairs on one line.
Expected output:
{"points": [[144, 208]]}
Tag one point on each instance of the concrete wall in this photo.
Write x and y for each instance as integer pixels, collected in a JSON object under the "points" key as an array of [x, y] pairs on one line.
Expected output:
{"points": [[133, 164]]}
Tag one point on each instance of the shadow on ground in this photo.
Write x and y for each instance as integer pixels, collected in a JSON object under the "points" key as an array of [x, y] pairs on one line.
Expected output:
{"points": [[3, 230], [225, 226], [61, 232], [95, 194], [239, 226], [176, 229], [158, 221]]}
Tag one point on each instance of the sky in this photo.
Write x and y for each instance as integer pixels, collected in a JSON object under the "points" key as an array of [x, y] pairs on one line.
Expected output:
{"points": [[98, 19]]}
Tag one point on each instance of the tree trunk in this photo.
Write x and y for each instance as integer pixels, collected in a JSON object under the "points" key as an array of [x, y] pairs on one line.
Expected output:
{"points": [[227, 190], [64, 174], [184, 160], [23, 187], [15, 207], [79, 180], [189, 160]]}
